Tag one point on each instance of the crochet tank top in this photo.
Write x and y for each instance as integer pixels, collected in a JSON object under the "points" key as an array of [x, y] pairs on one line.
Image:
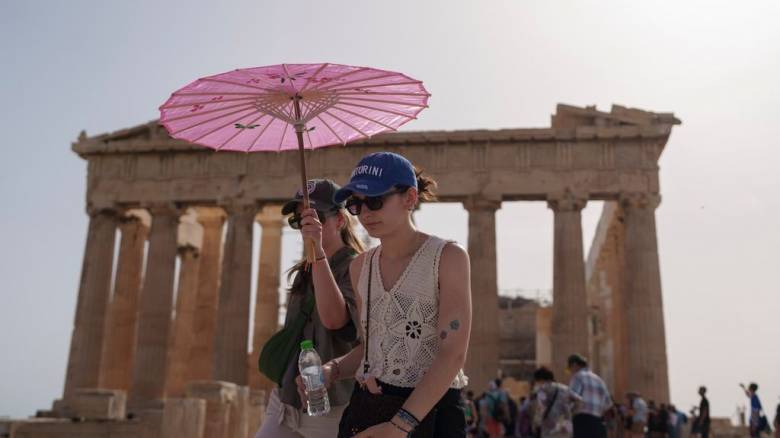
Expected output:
{"points": [[403, 329]]}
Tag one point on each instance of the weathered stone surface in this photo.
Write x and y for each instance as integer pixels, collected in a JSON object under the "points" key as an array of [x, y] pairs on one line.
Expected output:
{"points": [[256, 410], [99, 404], [122, 323], [221, 399], [606, 154], [267, 301], [647, 367], [183, 418], [156, 307], [570, 304], [483, 354], [201, 358], [230, 348], [86, 342], [89, 429]]}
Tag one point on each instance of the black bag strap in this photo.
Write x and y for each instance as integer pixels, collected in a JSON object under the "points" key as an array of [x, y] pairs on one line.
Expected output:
{"points": [[368, 310], [549, 407]]}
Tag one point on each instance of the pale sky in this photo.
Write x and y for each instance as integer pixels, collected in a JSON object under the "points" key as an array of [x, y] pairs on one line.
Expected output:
{"points": [[103, 66]]}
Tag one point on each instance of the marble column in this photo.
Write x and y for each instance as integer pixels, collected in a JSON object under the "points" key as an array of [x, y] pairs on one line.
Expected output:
{"points": [[613, 271], [86, 341], [643, 305], [482, 360], [119, 344], [182, 333], [204, 325], [570, 303], [155, 308], [232, 337], [267, 300]]}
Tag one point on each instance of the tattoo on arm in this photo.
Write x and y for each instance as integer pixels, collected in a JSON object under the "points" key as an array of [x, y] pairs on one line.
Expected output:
{"points": [[454, 325]]}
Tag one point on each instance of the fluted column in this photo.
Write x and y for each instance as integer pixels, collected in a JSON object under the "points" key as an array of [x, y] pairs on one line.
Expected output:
{"points": [[204, 326], [230, 349], [119, 343], [643, 304], [182, 334], [92, 303], [190, 239], [267, 300], [482, 360], [570, 303], [155, 307]]}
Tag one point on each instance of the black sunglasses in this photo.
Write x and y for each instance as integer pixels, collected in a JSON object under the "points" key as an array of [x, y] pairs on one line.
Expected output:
{"points": [[295, 219], [355, 205]]}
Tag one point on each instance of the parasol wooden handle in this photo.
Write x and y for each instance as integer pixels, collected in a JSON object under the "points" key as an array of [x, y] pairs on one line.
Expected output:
{"points": [[308, 244]]}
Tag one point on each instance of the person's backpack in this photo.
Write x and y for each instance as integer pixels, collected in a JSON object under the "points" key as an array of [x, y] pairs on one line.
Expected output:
{"points": [[499, 409], [763, 424]]}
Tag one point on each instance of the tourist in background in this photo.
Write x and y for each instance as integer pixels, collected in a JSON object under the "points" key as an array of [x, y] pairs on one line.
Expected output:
{"points": [[677, 422], [758, 422], [703, 417], [470, 412], [637, 411], [776, 422], [554, 406], [493, 410], [524, 427], [588, 418]]}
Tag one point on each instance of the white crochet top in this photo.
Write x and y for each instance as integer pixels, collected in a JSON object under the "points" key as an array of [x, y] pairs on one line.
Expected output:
{"points": [[404, 337]]}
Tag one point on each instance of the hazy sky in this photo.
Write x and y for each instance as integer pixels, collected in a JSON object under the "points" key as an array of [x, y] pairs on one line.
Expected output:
{"points": [[103, 66]]}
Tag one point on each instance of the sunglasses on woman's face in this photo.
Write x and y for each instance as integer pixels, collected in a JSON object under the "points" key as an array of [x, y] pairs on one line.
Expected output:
{"points": [[374, 203], [295, 219]]}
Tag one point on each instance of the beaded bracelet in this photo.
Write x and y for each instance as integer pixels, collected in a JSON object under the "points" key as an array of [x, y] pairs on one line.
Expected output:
{"points": [[408, 418]]}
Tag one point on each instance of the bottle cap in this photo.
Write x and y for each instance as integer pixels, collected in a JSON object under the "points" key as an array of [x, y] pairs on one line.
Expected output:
{"points": [[307, 344]]}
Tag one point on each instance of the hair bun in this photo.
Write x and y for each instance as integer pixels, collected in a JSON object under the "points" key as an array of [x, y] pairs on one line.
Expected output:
{"points": [[425, 186]]}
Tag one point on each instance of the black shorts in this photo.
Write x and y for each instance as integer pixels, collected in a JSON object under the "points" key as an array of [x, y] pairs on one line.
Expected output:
{"points": [[450, 417], [588, 426]]}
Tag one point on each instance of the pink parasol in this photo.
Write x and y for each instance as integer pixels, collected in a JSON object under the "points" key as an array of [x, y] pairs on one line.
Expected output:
{"points": [[292, 106]]}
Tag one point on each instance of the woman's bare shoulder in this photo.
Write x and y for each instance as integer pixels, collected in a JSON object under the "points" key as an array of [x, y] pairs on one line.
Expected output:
{"points": [[453, 255]]}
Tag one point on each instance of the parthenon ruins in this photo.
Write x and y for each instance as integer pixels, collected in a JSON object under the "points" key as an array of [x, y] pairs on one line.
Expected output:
{"points": [[168, 343]]}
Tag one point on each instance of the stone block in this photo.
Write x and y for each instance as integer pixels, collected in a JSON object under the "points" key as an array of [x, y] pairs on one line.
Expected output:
{"points": [[183, 417], [256, 410], [220, 399], [92, 404]]}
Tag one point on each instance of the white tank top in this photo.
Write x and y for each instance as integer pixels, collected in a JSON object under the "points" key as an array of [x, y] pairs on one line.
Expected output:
{"points": [[404, 338]]}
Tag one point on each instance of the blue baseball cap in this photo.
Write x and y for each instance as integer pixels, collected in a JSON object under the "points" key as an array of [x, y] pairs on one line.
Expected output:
{"points": [[377, 174]]}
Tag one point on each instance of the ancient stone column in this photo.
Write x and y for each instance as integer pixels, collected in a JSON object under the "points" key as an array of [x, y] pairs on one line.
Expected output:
{"points": [[190, 239], [643, 305], [182, 334], [86, 341], [230, 349], [267, 300], [119, 343], [482, 361], [155, 308], [570, 299], [204, 328]]}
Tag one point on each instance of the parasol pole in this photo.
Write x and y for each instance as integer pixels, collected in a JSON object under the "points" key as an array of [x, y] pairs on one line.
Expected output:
{"points": [[308, 244]]}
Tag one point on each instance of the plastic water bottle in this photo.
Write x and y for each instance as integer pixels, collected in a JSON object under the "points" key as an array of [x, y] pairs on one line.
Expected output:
{"points": [[310, 367]]}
